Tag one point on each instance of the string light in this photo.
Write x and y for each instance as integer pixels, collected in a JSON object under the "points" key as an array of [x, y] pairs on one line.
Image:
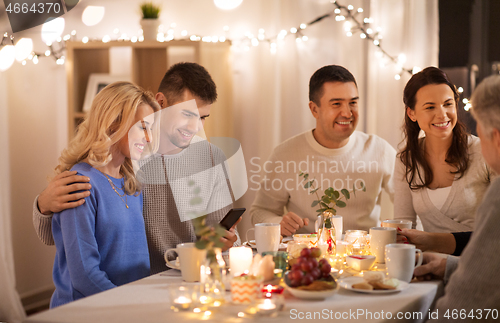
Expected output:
{"points": [[341, 13]]}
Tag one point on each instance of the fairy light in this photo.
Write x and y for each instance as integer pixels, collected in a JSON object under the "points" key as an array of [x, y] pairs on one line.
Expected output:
{"points": [[460, 89], [348, 14]]}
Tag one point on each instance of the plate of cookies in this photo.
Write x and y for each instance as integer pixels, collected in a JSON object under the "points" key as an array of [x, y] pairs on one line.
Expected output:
{"points": [[373, 284]]}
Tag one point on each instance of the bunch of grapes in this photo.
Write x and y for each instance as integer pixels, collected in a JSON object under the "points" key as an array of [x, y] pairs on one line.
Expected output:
{"points": [[308, 268]]}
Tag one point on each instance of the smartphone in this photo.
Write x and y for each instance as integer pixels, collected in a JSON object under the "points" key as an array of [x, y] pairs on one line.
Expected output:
{"points": [[231, 217]]}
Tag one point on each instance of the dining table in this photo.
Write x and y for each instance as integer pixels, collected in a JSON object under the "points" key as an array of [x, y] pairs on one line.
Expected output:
{"points": [[147, 300]]}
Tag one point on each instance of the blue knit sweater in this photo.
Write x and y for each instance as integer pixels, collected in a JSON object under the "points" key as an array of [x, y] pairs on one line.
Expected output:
{"points": [[100, 244]]}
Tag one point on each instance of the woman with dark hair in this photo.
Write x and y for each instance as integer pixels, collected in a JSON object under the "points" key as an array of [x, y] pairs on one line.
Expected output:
{"points": [[442, 176]]}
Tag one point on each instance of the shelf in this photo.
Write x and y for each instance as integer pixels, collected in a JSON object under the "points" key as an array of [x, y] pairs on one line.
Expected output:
{"points": [[148, 63]]}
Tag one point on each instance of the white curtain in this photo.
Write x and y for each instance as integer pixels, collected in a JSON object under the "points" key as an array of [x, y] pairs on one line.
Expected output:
{"points": [[11, 309], [271, 90]]}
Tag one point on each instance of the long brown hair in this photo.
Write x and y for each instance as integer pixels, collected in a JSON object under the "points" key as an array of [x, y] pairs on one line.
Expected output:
{"points": [[413, 156]]}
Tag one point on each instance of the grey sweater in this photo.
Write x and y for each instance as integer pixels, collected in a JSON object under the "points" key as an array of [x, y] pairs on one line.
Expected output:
{"points": [[472, 280], [458, 211]]}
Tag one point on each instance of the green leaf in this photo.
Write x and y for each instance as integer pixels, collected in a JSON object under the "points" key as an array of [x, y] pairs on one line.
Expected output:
{"points": [[314, 191], [300, 174], [328, 223], [346, 193], [308, 184], [196, 200], [329, 192], [334, 212], [219, 230], [354, 189], [314, 203], [336, 194], [306, 176], [363, 187], [323, 204], [326, 199], [321, 210], [201, 244], [219, 244], [341, 204]]}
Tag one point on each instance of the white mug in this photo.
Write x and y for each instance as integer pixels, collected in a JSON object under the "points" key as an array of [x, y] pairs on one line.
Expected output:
{"points": [[402, 224], [190, 258], [267, 236], [379, 238], [336, 221], [400, 260]]}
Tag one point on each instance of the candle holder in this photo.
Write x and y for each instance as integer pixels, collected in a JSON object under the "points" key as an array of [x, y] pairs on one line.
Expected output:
{"points": [[182, 297], [245, 289], [267, 307], [359, 240], [275, 292]]}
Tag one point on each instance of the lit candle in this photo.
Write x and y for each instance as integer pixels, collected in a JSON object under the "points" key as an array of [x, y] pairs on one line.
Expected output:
{"points": [[267, 305], [182, 302], [240, 260]]}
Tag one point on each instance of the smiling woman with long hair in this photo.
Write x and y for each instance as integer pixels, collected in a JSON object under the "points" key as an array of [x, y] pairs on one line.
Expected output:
{"points": [[102, 243], [441, 177]]}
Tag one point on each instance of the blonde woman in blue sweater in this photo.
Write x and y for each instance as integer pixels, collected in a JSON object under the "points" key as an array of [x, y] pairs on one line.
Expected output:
{"points": [[102, 243]]}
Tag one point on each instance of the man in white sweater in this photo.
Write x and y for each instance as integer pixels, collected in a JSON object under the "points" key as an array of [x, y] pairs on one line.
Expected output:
{"points": [[334, 154], [472, 290]]}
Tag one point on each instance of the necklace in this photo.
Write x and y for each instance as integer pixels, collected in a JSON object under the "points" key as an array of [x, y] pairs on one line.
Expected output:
{"points": [[116, 191]]}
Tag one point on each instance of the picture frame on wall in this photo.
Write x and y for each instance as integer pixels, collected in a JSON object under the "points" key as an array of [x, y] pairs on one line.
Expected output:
{"points": [[97, 82]]}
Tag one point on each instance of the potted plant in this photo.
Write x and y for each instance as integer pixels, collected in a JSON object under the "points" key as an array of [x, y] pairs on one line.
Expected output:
{"points": [[328, 202], [150, 21]]}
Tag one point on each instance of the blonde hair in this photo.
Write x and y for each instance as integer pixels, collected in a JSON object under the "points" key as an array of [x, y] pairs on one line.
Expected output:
{"points": [[111, 116]]}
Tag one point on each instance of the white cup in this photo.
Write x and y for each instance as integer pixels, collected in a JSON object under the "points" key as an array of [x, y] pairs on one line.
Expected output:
{"points": [[190, 258], [400, 260], [402, 224], [337, 223], [267, 236], [379, 238]]}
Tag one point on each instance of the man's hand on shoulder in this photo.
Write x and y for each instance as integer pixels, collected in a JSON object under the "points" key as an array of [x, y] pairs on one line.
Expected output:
{"points": [[291, 222], [57, 196]]}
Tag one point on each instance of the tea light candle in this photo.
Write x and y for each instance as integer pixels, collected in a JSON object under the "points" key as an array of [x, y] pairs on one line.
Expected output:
{"points": [[240, 260], [266, 306], [182, 302]]}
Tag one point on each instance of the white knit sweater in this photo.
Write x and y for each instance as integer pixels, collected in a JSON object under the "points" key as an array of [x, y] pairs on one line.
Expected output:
{"points": [[366, 158], [458, 211]]}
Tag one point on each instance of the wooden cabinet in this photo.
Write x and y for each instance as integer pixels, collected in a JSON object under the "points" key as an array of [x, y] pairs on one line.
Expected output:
{"points": [[146, 63]]}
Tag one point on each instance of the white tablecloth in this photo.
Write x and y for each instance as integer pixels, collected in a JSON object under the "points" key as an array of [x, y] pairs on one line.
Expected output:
{"points": [[147, 300]]}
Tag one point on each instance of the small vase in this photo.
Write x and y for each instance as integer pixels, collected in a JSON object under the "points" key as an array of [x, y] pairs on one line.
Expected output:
{"points": [[326, 233], [150, 28], [212, 278]]}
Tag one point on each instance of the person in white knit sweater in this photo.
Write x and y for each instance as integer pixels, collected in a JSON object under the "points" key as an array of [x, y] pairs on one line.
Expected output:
{"points": [[333, 153], [441, 177], [472, 290]]}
